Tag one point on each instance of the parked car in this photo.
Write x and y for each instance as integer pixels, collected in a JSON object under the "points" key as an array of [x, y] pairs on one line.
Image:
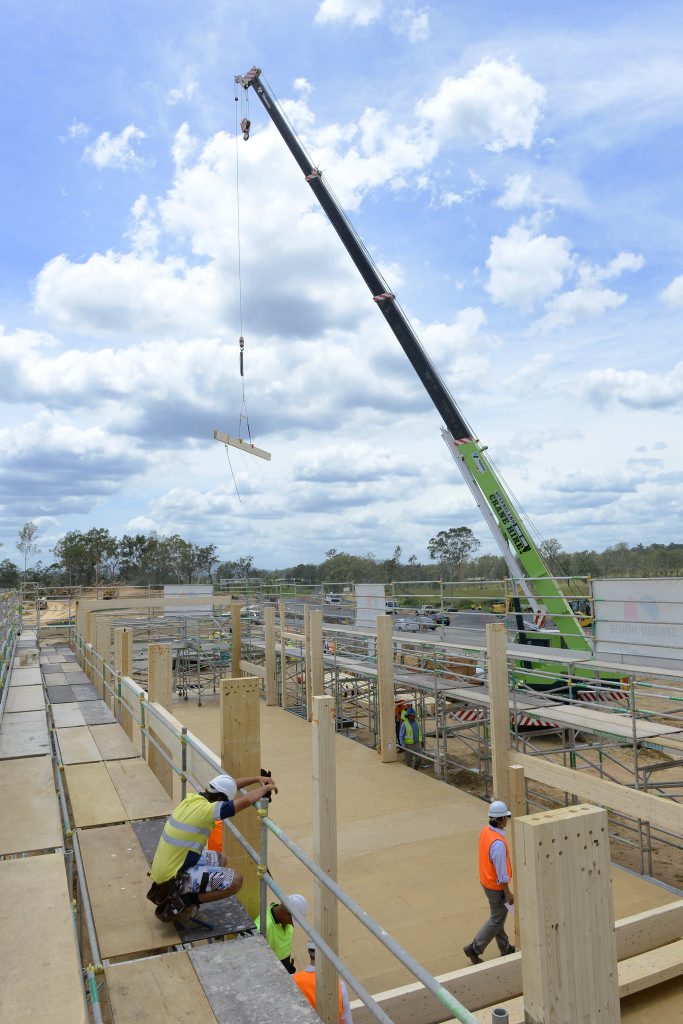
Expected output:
{"points": [[252, 615], [425, 622], [426, 609], [333, 599], [407, 625], [441, 618]]}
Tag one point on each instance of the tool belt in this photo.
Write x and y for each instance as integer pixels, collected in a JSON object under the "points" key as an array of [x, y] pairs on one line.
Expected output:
{"points": [[167, 897]]}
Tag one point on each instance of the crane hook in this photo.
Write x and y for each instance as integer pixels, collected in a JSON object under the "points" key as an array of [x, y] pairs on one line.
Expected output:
{"points": [[245, 125]]}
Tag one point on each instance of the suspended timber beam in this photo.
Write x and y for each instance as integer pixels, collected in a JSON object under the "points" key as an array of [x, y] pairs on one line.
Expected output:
{"points": [[236, 442]]}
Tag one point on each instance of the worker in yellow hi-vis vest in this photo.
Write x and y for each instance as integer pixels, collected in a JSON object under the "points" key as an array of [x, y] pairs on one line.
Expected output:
{"points": [[280, 928], [410, 738]]}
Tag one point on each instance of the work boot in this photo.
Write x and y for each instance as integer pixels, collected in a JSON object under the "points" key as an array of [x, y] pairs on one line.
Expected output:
{"points": [[510, 949], [471, 952]]}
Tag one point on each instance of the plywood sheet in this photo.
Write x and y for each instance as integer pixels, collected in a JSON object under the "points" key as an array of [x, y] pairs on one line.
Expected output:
{"points": [[72, 666], [158, 990], [25, 676], [25, 698], [94, 800], [112, 742], [24, 734], [41, 976], [140, 792], [245, 984], [50, 669], [116, 873], [77, 746], [59, 694], [84, 691], [96, 712], [66, 716], [29, 809]]}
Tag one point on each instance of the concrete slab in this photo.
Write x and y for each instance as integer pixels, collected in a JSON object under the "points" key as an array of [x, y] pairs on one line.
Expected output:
{"points": [[245, 984], [60, 695], [24, 734], [67, 716], [96, 712], [84, 691], [49, 669], [77, 746], [112, 742], [26, 676]]}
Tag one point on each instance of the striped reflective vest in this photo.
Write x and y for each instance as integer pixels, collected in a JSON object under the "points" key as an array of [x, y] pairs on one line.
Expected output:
{"points": [[186, 831], [487, 872], [409, 739], [306, 982]]}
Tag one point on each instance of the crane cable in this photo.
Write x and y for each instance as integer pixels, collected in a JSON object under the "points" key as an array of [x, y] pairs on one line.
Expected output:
{"points": [[242, 124]]}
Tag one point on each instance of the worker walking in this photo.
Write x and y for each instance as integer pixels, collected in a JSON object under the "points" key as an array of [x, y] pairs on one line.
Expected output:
{"points": [[495, 874], [306, 981], [410, 737], [280, 928], [185, 874]]}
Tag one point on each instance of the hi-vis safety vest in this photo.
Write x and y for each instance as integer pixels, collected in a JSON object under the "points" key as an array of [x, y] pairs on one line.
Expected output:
{"points": [[278, 936], [186, 831], [306, 982], [408, 739], [487, 872]]}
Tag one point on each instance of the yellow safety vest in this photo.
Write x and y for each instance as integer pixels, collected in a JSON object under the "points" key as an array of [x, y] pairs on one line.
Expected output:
{"points": [[408, 737], [186, 831], [278, 936]]}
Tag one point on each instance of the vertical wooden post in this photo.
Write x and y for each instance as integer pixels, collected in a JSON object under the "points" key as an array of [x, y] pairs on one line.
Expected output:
{"points": [[123, 663], [103, 629], [241, 757], [236, 656], [315, 629], [385, 688], [499, 704], [271, 692], [325, 852], [283, 654], [517, 804], [89, 638], [160, 683], [308, 673], [564, 893]]}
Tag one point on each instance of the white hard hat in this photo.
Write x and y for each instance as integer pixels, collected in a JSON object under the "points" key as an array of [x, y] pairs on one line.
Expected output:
{"points": [[297, 903], [498, 810], [224, 784]]}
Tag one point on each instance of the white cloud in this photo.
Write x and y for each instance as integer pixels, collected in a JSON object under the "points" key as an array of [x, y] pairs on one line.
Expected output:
{"points": [[185, 92], [77, 129], [635, 388], [143, 232], [525, 268], [184, 145], [302, 85], [495, 105], [357, 12], [412, 22], [673, 293], [115, 150], [584, 301], [590, 274]]}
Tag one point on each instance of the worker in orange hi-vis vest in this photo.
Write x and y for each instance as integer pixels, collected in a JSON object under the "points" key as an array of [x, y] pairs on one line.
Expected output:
{"points": [[495, 874], [305, 979]]}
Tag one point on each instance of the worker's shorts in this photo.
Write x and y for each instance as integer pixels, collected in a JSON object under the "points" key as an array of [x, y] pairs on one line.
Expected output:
{"points": [[207, 875]]}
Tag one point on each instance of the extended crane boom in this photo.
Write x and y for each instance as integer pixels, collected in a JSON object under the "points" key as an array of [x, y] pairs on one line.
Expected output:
{"points": [[516, 545]]}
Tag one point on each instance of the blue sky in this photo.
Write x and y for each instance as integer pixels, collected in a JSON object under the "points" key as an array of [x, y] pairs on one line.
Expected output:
{"points": [[515, 171]]}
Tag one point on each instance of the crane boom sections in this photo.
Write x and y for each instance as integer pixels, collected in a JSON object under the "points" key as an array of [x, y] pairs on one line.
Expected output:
{"points": [[479, 475]]}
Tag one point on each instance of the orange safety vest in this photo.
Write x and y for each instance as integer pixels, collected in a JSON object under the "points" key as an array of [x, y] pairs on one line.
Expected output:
{"points": [[216, 838], [487, 872], [306, 982]]}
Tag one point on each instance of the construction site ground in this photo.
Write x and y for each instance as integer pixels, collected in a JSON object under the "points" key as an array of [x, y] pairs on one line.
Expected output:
{"points": [[407, 854]]}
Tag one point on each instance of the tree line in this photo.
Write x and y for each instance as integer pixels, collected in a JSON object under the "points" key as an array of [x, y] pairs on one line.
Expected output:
{"points": [[98, 557]]}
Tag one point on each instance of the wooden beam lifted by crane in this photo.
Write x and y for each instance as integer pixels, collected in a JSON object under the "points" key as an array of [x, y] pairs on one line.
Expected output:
{"points": [[245, 446]]}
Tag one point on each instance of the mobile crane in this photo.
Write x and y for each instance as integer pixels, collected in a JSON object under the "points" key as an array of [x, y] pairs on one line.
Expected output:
{"points": [[523, 558]]}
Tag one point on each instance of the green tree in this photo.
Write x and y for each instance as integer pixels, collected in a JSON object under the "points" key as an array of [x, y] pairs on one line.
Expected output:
{"points": [[9, 574], [27, 544], [452, 548]]}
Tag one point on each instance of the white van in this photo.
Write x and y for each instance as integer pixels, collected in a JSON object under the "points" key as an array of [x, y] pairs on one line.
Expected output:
{"points": [[333, 599]]}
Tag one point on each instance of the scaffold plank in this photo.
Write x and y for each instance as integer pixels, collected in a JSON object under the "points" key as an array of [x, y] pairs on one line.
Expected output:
{"points": [[96, 712], [93, 796], [25, 698], [112, 742], [24, 734], [41, 974], [67, 715], [245, 984], [26, 676], [140, 792], [77, 745], [116, 875], [29, 812], [158, 990]]}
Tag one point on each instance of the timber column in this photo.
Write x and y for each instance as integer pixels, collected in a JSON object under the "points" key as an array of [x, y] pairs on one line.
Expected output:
{"points": [[241, 757]]}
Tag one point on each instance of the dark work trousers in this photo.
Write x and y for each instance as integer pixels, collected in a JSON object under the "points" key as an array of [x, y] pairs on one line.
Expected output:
{"points": [[495, 926]]}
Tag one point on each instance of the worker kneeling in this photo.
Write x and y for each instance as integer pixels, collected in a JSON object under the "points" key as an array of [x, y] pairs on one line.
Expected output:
{"points": [[306, 981], [184, 874]]}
